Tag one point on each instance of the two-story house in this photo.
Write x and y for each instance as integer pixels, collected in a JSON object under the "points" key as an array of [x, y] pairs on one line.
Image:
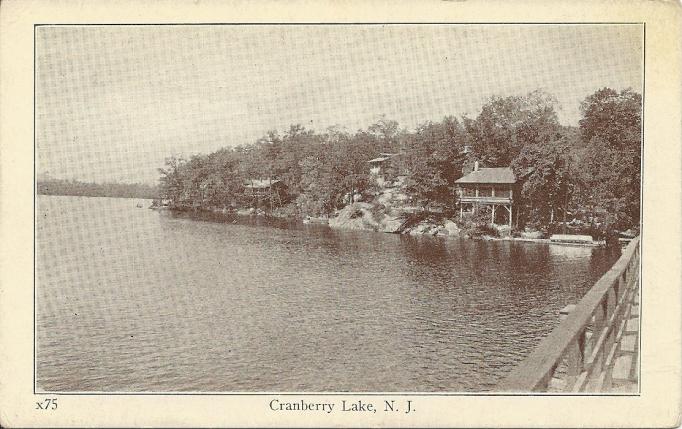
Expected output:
{"points": [[492, 187]]}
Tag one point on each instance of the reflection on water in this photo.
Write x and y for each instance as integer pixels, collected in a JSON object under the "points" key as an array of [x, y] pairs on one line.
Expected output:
{"points": [[131, 299]]}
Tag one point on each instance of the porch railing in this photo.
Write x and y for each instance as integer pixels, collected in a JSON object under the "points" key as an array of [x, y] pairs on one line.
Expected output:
{"points": [[482, 199], [579, 355]]}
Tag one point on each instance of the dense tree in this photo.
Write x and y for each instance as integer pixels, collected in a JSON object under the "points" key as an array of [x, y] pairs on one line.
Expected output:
{"points": [[614, 117], [611, 131], [51, 186], [170, 182], [319, 186], [387, 134], [434, 156], [561, 169], [506, 125], [546, 171], [225, 184]]}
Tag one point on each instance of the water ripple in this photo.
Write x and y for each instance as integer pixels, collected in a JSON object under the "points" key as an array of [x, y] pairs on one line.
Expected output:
{"points": [[135, 300]]}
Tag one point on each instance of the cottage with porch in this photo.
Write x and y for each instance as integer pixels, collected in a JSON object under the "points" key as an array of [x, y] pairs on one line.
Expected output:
{"points": [[492, 187]]}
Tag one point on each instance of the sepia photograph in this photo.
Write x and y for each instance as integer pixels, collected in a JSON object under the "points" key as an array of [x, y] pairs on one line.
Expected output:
{"points": [[414, 213], [271, 208]]}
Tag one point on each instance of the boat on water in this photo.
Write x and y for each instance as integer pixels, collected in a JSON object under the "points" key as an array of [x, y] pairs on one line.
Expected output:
{"points": [[158, 204], [575, 240], [626, 236], [320, 220]]}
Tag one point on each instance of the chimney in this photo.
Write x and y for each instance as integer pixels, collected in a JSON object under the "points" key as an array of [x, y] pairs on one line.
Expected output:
{"points": [[475, 165]]}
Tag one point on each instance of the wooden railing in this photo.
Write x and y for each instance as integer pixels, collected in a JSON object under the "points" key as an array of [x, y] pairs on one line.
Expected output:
{"points": [[488, 199], [579, 355]]}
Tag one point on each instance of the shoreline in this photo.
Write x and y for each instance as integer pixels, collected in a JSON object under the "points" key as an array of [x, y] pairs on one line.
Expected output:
{"points": [[388, 224], [419, 229], [94, 196]]}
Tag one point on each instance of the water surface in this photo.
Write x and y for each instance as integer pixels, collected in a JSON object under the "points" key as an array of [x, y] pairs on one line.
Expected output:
{"points": [[130, 300]]}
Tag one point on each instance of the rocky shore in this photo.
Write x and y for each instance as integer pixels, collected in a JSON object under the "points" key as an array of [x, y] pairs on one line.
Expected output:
{"points": [[368, 217], [364, 216]]}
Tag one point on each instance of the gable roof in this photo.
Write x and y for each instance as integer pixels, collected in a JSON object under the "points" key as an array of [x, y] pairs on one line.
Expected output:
{"points": [[383, 156], [489, 175], [260, 184]]}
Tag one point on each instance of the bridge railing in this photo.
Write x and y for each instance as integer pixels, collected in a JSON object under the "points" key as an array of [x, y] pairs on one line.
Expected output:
{"points": [[580, 353]]}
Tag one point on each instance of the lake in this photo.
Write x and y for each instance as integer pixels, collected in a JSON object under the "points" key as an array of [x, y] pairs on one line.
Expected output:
{"points": [[135, 300]]}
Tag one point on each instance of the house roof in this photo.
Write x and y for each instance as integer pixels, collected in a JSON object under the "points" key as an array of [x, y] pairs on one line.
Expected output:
{"points": [[383, 156], [260, 183], [489, 175]]}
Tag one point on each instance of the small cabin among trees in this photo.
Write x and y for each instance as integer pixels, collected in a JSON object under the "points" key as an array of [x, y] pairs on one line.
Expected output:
{"points": [[270, 190], [492, 187], [380, 166]]}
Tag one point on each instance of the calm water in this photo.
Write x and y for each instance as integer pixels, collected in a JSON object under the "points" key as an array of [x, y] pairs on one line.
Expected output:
{"points": [[131, 299]]}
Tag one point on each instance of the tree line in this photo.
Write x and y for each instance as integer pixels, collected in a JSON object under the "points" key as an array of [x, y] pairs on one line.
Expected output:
{"points": [[51, 186], [562, 170]]}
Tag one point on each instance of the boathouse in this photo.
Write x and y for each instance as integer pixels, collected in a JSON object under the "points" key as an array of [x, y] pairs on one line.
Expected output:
{"points": [[493, 187]]}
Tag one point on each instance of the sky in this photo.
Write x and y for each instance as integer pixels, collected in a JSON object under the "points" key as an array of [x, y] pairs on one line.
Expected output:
{"points": [[112, 102]]}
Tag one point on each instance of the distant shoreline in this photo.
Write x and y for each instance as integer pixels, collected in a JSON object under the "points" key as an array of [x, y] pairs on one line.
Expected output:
{"points": [[84, 189], [95, 196]]}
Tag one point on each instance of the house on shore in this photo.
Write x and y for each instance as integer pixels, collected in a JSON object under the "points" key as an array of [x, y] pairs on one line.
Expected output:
{"points": [[380, 166], [271, 190], [493, 187]]}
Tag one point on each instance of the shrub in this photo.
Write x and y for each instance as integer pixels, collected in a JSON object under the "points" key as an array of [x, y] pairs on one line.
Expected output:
{"points": [[308, 206], [478, 224], [290, 210], [356, 213], [378, 211]]}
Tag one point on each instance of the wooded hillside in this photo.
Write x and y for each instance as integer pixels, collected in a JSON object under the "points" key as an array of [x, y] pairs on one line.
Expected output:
{"points": [[595, 166]]}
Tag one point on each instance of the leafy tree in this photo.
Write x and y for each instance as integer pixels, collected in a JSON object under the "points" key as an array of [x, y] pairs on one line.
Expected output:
{"points": [[171, 182], [506, 125], [387, 134], [433, 156], [545, 170], [615, 117], [611, 129], [317, 190], [225, 183]]}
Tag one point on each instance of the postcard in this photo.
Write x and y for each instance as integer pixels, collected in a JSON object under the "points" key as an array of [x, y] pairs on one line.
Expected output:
{"points": [[413, 214]]}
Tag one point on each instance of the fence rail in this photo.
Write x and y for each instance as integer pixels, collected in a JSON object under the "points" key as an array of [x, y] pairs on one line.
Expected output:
{"points": [[582, 350]]}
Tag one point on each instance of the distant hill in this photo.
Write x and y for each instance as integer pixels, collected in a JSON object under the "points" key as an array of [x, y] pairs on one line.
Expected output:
{"points": [[84, 189]]}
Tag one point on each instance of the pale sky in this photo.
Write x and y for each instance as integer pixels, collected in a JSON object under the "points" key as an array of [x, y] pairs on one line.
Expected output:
{"points": [[113, 101]]}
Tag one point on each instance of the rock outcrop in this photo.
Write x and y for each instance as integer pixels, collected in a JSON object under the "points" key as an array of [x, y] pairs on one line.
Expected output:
{"points": [[369, 217], [365, 216], [532, 234], [389, 212]]}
